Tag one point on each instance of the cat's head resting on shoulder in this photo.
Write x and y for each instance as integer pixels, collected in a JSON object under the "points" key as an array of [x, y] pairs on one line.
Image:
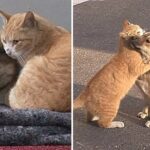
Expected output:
{"points": [[135, 35], [130, 29], [129, 34], [23, 33], [135, 38]]}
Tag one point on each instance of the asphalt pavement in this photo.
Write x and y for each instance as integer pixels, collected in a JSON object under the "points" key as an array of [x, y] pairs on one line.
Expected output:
{"points": [[97, 24]]}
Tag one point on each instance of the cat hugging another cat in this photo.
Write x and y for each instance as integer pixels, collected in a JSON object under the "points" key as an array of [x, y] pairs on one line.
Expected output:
{"points": [[44, 52], [103, 94]]}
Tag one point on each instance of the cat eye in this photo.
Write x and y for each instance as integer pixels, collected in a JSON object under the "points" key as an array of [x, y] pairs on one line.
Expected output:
{"points": [[15, 41]]}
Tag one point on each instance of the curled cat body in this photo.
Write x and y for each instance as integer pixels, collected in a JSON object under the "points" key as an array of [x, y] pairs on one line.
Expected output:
{"points": [[9, 70], [44, 51], [103, 94]]}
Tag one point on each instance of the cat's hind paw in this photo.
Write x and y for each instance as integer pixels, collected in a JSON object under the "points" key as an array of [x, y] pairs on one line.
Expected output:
{"points": [[95, 118], [116, 124], [147, 124], [146, 60]]}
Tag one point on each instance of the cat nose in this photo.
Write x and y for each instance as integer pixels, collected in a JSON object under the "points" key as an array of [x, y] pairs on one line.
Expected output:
{"points": [[8, 52]]}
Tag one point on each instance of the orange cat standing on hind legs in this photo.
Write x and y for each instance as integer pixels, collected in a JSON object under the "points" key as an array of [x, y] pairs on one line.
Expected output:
{"points": [[44, 51], [103, 94]]}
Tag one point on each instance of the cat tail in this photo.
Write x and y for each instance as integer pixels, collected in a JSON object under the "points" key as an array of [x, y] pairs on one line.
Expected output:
{"points": [[79, 102]]}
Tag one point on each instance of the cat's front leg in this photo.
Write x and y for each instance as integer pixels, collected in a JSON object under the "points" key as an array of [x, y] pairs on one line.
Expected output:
{"points": [[145, 56], [143, 85], [147, 124]]}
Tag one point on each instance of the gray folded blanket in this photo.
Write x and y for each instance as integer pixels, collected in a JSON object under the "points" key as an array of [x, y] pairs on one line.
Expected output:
{"points": [[34, 127], [33, 117]]}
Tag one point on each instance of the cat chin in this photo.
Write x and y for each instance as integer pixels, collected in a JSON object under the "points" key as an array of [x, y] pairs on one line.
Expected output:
{"points": [[12, 56]]}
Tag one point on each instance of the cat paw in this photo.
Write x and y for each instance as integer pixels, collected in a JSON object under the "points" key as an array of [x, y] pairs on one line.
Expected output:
{"points": [[116, 124], [142, 115], [146, 61], [95, 118], [147, 124], [146, 58]]}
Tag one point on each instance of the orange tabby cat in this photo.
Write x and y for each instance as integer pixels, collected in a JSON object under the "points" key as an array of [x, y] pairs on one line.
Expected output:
{"points": [[45, 52], [104, 92]]}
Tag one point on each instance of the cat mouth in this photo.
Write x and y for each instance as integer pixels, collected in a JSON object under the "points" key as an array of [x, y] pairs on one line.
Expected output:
{"points": [[10, 54]]}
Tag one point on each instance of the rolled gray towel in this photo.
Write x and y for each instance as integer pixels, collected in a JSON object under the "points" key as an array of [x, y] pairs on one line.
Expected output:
{"points": [[19, 135], [33, 117]]}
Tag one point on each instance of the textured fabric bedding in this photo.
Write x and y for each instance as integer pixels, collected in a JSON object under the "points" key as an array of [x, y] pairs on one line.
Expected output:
{"points": [[35, 148], [34, 127]]}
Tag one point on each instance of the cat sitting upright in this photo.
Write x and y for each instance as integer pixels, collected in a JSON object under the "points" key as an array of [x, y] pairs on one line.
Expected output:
{"points": [[103, 94], [44, 51]]}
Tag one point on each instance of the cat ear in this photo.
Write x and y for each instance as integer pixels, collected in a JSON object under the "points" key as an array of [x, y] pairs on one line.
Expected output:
{"points": [[29, 20], [126, 23], [5, 16]]}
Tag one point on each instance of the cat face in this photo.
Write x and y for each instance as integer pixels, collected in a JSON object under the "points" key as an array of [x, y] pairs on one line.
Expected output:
{"points": [[135, 36], [130, 29], [19, 33], [16, 45]]}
